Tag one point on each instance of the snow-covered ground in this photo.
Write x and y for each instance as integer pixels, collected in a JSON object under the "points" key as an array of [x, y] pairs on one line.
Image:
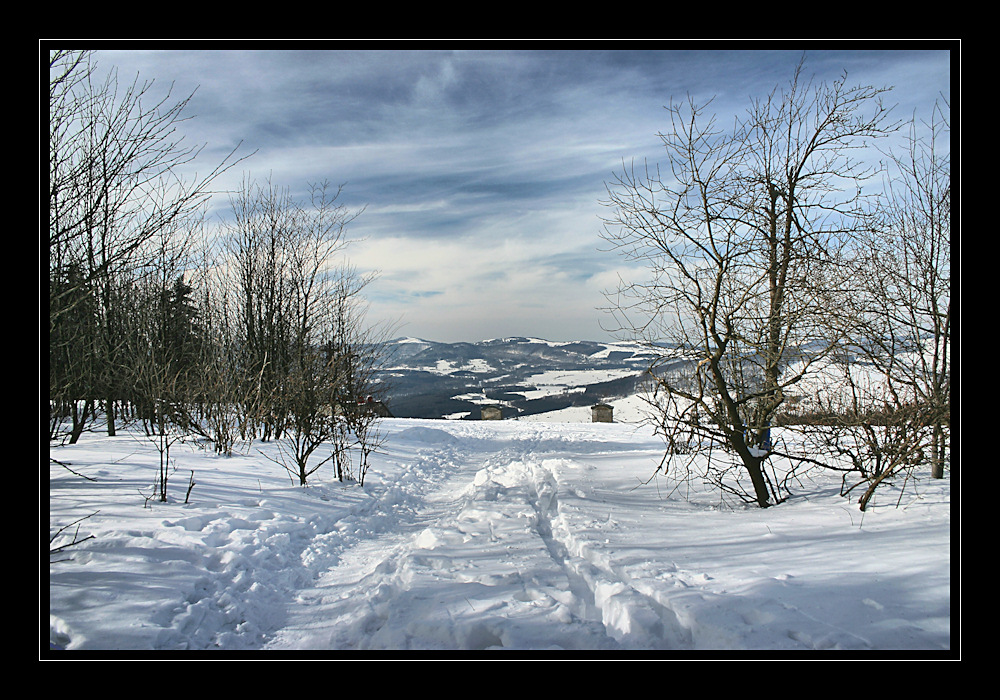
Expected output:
{"points": [[522, 536], [555, 382]]}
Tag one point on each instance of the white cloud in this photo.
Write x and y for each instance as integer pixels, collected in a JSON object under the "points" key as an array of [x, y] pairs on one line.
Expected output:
{"points": [[459, 289], [481, 171]]}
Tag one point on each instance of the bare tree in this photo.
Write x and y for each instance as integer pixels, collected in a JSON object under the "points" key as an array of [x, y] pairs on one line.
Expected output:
{"points": [[917, 261], [115, 183], [743, 238], [362, 351], [224, 385], [114, 164], [279, 350], [257, 247], [897, 366], [297, 306]]}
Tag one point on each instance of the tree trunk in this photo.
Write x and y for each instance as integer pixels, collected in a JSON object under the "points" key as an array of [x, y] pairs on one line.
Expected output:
{"points": [[80, 417], [109, 412], [753, 466], [937, 452]]}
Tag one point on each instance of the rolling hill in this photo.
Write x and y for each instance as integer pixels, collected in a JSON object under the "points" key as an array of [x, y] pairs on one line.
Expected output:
{"points": [[524, 376]]}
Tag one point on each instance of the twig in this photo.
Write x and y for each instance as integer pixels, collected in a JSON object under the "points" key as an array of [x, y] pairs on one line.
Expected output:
{"points": [[65, 466], [190, 486], [75, 535]]}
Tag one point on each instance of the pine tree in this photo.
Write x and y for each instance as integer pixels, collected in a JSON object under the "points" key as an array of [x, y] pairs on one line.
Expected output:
{"points": [[182, 332]]}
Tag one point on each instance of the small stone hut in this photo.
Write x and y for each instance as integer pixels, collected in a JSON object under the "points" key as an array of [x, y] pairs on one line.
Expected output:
{"points": [[602, 413], [492, 413]]}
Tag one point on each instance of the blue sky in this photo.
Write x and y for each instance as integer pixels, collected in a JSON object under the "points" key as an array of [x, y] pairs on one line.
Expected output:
{"points": [[481, 167]]}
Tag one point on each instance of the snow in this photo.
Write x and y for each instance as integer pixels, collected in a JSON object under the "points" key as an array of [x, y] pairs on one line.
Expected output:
{"points": [[446, 367], [478, 398], [555, 382], [630, 409], [512, 537]]}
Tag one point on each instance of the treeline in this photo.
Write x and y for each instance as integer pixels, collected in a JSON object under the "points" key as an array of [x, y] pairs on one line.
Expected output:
{"points": [[252, 328]]}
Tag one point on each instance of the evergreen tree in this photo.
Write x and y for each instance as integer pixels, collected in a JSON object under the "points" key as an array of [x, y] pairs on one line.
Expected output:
{"points": [[182, 334], [72, 324]]}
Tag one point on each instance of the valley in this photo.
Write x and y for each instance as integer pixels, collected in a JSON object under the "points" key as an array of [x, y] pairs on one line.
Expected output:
{"points": [[524, 376]]}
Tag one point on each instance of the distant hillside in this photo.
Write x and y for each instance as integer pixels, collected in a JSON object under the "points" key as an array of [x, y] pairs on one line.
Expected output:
{"points": [[529, 376], [526, 376]]}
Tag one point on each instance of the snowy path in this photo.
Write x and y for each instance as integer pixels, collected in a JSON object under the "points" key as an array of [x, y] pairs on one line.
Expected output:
{"points": [[484, 563], [484, 535]]}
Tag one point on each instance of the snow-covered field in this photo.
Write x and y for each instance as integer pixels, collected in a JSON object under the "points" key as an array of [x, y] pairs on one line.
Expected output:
{"points": [[554, 382], [518, 538]]}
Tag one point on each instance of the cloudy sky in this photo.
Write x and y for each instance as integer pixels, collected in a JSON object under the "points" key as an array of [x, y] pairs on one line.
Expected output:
{"points": [[481, 168]]}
